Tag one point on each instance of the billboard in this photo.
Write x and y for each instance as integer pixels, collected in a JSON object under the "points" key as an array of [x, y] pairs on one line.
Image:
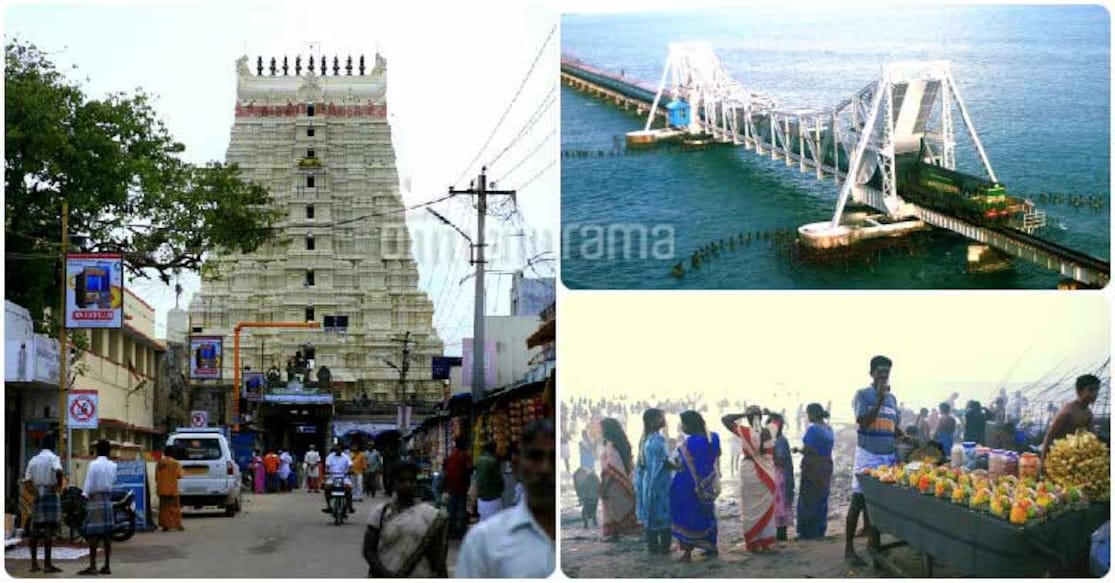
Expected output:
{"points": [[94, 290], [254, 385], [206, 357], [489, 363]]}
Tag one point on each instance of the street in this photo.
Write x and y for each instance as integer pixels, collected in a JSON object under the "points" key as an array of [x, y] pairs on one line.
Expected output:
{"points": [[277, 535]]}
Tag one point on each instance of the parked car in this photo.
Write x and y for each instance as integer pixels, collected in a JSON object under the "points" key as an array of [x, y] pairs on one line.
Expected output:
{"points": [[211, 474]]}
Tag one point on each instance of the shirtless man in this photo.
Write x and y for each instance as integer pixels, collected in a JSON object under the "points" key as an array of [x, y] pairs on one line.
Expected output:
{"points": [[1076, 414]]}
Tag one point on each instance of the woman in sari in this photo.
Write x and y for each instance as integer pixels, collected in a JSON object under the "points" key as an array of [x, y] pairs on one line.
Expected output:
{"points": [[652, 483], [617, 493], [406, 538], [756, 479], [695, 488], [783, 478], [259, 475], [816, 475]]}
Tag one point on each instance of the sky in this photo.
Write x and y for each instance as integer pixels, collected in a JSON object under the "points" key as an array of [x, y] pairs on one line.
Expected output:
{"points": [[752, 345], [452, 71]]}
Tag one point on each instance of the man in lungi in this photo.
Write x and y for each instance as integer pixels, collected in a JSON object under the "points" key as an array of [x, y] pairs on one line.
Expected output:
{"points": [[98, 507], [44, 472]]}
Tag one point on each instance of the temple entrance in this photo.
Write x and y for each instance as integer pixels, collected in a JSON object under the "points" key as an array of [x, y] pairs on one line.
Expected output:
{"points": [[295, 427]]}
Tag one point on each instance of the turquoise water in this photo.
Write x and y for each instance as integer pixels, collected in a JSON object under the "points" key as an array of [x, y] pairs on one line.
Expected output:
{"points": [[1036, 80]]}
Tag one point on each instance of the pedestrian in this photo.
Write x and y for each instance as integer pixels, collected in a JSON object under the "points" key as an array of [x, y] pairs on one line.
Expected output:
{"points": [[695, 488], [975, 423], [587, 449], [756, 478], [405, 537], [816, 474], [1015, 408], [565, 453], [519, 543], [259, 476], [312, 462], [617, 493], [946, 429], [652, 483], [284, 470], [271, 464], [458, 470], [99, 523], [784, 479], [512, 484], [44, 472], [1000, 406], [799, 420], [921, 422], [735, 452], [877, 416], [167, 473], [489, 483], [375, 468], [1075, 414], [359, 466]]}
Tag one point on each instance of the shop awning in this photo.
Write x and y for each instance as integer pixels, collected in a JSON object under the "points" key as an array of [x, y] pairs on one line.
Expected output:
{"points": [[297, 399], [545, 334], [342, 428]]}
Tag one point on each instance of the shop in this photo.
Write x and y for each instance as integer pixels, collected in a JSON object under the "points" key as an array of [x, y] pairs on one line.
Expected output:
{"points": [[502, 416]]}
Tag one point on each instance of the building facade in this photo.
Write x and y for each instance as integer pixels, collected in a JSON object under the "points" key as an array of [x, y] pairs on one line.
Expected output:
{"points": [[320, 143]]}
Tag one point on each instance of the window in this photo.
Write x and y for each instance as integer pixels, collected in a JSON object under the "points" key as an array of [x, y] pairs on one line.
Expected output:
{"points": [[339, 323], [207, 449], [309, 132], [309, 182], [310, 314], [309, 277], [310, 110], [309, 211], [310, 245], [310, 153]]}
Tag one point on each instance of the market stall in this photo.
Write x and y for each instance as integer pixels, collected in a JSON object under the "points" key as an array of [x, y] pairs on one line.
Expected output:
{"points": [[502, 416], [1006, 522]]}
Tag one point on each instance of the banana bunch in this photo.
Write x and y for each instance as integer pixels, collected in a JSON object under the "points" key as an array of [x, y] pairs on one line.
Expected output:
{"points": [[1080, 460]]}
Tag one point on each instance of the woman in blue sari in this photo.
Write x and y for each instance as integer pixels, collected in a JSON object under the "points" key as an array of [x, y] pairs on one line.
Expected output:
{"points": [[652, 483], [695, 487], [816, 475]]}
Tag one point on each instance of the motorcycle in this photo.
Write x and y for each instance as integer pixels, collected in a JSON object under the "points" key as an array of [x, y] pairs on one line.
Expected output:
{"points": [[338, 500], [123, 510]]}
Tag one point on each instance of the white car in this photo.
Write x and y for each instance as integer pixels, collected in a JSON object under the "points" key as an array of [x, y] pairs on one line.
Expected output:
{"points": [[211, 476]]}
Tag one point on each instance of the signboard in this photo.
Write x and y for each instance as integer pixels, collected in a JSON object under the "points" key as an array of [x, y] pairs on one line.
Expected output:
{"points": [[206, 356], [199, 419], [441, 366], [306, 428], [34, 359], [254, 386], [82, 409], [132, 475], [489, 363], [94, 290]]}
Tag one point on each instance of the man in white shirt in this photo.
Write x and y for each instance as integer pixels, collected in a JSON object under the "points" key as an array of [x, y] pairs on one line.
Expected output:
{"points": [[284, 470], [338, 465], [312, 461], [98, 507], [44, 471], [519, 542]]}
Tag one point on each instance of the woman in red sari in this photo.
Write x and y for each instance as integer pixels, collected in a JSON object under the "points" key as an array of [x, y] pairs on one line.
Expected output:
{"points": [[756, 479], [617, 491]]}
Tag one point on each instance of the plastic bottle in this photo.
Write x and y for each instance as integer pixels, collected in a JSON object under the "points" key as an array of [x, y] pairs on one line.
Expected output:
{"points": [[957, 455]]}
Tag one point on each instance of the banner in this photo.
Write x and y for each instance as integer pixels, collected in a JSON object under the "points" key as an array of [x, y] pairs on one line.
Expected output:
{"points": [[132, 475], [206, 357], [94, 290], [82, 409], [254, 385]]}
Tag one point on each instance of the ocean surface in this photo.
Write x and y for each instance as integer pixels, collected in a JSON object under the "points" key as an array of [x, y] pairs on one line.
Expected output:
{"points": [[1036, 80]]}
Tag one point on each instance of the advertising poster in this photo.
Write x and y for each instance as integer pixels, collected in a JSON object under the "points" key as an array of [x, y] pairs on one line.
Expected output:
{"points": [[95, 290], [254, 383], [131, 475], [206, 355]]}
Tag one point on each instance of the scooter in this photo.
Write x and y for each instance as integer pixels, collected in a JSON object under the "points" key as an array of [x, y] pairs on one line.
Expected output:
{"points": [[123, 509]]}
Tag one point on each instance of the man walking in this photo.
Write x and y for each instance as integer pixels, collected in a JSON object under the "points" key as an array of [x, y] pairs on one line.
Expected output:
{"points": [[375, 468], [284, 470], [98, 507], [44, 471], [359, 466], [489, 483], [271, 468], [457, 481], [879, 421], [519, 543], [313, 469], [167, 473]]}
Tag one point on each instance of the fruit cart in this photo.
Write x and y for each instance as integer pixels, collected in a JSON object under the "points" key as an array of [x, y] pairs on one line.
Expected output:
{"points": [[978, 544]]}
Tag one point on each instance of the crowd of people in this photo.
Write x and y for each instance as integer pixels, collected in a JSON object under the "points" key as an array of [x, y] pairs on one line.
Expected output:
{"points": [[665, 489]]}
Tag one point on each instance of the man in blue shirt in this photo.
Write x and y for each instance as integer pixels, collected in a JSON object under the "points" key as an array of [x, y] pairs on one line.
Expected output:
{"points": [[878, 419]]}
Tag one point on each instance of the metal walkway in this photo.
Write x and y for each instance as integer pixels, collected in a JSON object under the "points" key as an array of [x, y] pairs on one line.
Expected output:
{"points": [[891, 116]]}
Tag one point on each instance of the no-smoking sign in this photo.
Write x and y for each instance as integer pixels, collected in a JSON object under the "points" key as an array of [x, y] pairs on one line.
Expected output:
{"points": [[83, 410], [199, 419]]}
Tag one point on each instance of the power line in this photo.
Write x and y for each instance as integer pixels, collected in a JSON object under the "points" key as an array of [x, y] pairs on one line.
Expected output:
{"points": [[547, 103], [532, 152], [507, 110]]}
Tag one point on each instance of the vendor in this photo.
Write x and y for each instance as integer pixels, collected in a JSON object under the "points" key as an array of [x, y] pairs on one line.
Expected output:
{"points": [[1075, 414]]}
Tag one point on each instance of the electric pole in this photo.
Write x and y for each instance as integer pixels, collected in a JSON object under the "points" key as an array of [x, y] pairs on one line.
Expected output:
{"points": [[405, 368], [480, 190]]}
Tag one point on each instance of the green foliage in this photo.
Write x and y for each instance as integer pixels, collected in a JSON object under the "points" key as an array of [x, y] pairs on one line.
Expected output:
{"points": [[119, 169]]}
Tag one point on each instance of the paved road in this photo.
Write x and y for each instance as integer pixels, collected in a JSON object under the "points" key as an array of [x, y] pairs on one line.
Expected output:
{"points": [[277, 535]]}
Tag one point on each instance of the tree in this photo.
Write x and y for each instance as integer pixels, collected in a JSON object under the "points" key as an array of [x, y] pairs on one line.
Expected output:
{"points": [[122, 174]]}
